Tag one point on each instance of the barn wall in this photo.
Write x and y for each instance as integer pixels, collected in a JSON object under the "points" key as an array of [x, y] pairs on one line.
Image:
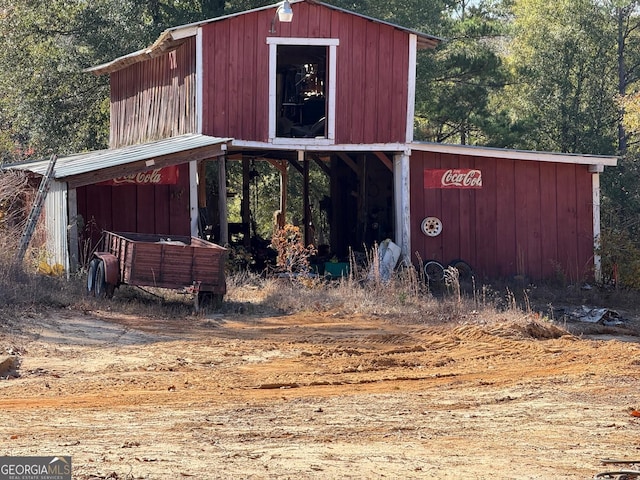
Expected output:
{"points": [[154, 99], [159, 209], [529, 218], [372, 74]]}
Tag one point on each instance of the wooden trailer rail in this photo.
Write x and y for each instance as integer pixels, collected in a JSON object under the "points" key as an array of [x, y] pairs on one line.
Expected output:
{"points": [[174, 262]]}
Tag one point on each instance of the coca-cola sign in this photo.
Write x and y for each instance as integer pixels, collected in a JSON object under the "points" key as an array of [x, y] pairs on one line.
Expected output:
{"points": [[453, 178], [159, 176]]}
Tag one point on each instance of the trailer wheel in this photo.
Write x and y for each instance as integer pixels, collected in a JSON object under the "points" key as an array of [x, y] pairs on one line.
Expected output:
{"points": [[464, 270], [434, 271], [100, 286], [209, 300], [91, 276]]}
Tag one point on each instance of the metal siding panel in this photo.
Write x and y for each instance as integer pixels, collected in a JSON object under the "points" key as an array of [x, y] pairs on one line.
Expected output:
{"points": [[235, 73], [145, 205], [385, 87], [506, 218], [325, 17], [356, 73], [154, 98], [161, 209], [123, 204], [451, 228], [549, 230], [584, 205], [466, 215], [56, 222], [179, 218], [531, 190], [567, 221], [236, 67], [261, 85], [218, 86], [486, 235], [433, 207], [100, 203], [396, 76], [370, 75], [344, 61], [313, 21], [249, 80], [417, 205]]}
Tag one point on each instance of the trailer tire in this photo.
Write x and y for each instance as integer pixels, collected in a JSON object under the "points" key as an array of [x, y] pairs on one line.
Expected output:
{"points": [[100, 286], [91, 276], [210, 300], [465, 272], [434, 272]]}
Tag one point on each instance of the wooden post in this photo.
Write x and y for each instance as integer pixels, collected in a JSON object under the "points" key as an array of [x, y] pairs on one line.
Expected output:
{"points": [[222, 200], [308, 223], [202, 184], [284, 185], [279, 217], [246, 202], [402, 205], [362, 200]]}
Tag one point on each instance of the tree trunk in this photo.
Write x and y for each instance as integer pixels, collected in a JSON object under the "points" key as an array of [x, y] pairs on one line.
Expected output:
{"points": [[622, 74]]}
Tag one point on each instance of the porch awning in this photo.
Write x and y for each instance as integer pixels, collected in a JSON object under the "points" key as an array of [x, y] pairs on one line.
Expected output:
{"points": [[100, 165]]}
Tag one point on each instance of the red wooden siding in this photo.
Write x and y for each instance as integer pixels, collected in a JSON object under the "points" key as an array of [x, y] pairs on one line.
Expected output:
{"points": [[371, 77], [529, 218], [162, 209], [154, 99]]}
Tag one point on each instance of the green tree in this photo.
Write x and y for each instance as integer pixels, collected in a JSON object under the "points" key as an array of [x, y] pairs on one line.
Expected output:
{"points": [[457, 81], [563, 57], [48, 103]]}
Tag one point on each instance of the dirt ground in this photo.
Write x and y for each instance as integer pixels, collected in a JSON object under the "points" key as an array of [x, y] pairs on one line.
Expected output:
{"points": [[318, 396]]}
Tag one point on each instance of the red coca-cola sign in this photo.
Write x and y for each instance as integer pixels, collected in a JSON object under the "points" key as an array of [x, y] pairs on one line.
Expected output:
{"points": [[453, 178], [159, 176]]}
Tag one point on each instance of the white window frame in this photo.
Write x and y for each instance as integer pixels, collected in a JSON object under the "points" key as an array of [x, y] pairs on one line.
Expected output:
{"points": [[332, 43]]}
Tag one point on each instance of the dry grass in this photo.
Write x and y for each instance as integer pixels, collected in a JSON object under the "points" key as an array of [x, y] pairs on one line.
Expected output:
{"points": [[404, 297]]}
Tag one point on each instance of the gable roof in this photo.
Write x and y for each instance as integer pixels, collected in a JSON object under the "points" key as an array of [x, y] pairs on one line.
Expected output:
{"points": [[173, 37]]}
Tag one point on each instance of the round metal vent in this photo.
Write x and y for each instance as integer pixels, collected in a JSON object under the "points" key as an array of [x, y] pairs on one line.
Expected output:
{"points": [[431, 226]]}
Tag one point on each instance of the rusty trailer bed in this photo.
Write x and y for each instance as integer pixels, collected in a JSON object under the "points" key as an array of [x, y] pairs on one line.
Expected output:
{"points": [[166, 261]]}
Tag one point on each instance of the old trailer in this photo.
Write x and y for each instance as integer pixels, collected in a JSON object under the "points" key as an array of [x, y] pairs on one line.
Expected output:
{"points": [[188, 264]]}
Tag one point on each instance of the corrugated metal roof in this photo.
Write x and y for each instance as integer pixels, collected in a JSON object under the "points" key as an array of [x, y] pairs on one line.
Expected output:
{"points": [[100, 159], [494, 152], [172, 37]]}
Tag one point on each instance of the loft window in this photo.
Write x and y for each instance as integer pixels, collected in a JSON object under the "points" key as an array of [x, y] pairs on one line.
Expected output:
{"points": [[301, 102], [302, 90]]}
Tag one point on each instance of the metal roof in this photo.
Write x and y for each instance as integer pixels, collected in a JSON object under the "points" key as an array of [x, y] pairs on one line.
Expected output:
{"points": [[493, 152], [173, 37], [84, 163]]}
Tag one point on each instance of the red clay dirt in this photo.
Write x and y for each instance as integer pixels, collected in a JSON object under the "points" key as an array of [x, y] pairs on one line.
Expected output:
{"points": [[318, 395]]}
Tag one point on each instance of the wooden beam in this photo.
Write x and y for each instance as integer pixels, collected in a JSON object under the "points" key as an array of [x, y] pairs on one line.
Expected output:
{"points": [[347, 159], [245, 209], [308, 230], [280, 215], [132, 168], [202, 184], [323, 166], [284, 182], [222, 201], [280, 165], [384, 159], [297, 166]]}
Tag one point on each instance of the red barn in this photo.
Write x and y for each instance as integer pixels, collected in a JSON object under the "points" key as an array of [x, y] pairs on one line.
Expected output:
{"points": [[332, 89]]}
